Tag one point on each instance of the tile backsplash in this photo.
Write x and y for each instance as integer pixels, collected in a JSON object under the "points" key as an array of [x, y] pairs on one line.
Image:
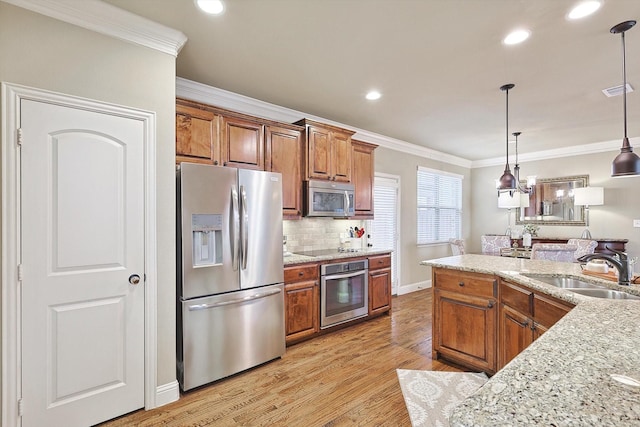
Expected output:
{"points": [[318, 233]]}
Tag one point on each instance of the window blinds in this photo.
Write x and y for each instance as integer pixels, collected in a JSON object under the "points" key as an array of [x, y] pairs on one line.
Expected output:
{"points": [[439, 206]]}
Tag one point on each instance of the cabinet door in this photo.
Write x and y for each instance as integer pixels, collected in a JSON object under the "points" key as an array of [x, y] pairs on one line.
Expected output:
{"points": [[547, 311], [242, 143], [340, 156], [301, 310], [197, 137], [379, 291], [318, 153], [465, 329], [362, 175], [516, 333], [284, 155]]}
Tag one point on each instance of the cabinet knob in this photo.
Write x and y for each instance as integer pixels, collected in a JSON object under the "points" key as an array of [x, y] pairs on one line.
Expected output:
{"points": [[300, 273], [215, 162], [460, 283], [490, 305], [525, 323]]}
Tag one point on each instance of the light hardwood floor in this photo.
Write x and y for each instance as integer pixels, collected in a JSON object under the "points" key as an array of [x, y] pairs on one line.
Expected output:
{"points": [[345, 378]]}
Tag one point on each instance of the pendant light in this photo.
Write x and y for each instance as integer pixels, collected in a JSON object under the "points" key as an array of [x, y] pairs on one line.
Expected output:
{"points": [[531, 180], [507, 180], [627, 163]]}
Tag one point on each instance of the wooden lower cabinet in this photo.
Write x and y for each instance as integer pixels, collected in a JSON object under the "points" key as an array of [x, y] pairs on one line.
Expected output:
{"points": [[301, 302], [465, 318], [524, 317], [379, 284]]}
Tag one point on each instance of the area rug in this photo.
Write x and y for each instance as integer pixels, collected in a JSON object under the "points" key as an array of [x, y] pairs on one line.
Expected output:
{"points": [[430, 396]]}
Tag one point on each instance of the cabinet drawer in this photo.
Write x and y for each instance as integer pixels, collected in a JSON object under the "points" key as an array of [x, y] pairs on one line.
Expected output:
{"points": [[300, 273], [547, 311], [382, 261], [516, 297], [465, 283]]}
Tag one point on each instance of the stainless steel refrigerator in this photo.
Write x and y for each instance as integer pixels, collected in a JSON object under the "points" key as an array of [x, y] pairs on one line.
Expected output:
{"points": [[230, 304]]}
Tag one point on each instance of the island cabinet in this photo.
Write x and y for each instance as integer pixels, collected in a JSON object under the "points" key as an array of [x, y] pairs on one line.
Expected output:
{"points": [[465, 318], [379, 284], [301, 302], [197, 138], [362, 176], [524, 315], [327, 151]]}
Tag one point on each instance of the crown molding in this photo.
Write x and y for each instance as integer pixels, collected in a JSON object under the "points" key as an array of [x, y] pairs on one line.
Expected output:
{"points": [[110, 20], [199, 92], [575, 150]]}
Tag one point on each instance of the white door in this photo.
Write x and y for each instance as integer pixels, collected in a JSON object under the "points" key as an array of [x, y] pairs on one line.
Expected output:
{"points": [[385, 226], [82, 222]]}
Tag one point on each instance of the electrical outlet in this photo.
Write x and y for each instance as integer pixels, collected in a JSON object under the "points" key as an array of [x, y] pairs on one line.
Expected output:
{"points": [[636, 223]]}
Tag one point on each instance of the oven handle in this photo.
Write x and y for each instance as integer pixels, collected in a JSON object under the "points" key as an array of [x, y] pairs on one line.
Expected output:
{"points": [[345, 275]]}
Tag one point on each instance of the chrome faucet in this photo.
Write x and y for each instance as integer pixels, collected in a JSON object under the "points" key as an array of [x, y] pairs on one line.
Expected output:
{"points": [[620, 261]]}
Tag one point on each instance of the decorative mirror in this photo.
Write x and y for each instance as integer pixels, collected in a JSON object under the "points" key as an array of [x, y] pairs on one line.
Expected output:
{"points": [[551, 202]]}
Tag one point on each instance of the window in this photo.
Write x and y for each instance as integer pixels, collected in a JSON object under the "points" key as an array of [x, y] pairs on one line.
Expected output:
{"points": [[439, 206]]}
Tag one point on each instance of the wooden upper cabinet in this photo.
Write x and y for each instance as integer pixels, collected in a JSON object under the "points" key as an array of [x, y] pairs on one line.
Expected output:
{"points": [[242, 143], [327, 151], [341, 156], [319, 154], [197, 137], [362, 178], [284, 154]]}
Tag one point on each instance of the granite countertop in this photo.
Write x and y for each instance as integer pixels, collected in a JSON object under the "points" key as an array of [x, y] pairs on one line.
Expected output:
{"points": [[566, 377], [295, 258]]}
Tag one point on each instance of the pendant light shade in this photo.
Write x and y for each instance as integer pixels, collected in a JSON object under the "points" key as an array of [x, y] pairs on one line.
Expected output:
{"points": [[627, 163]]}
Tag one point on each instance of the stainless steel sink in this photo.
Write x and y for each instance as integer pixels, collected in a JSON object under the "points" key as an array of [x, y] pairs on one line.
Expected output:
{"points": [[563, 282], [604, 293]]}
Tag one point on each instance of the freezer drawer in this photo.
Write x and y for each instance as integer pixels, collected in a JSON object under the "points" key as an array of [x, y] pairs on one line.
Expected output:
{"points": [[226, 334]]}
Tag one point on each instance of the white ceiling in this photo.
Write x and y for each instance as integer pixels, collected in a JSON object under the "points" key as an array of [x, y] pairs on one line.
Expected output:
{"points": [[438, 64]]}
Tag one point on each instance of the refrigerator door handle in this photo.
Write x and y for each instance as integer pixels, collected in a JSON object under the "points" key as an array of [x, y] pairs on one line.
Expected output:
{"points": [[245, 225], [235, 226], [234, 301]]}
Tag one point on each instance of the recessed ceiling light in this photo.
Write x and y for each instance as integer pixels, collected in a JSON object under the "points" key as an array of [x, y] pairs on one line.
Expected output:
{"points": [[373, 95], [212, 7], [517, 36], [583, 9]]}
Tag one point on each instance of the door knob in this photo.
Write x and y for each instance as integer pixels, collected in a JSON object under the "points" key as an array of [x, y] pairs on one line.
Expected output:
{"points": [[134, 279]]}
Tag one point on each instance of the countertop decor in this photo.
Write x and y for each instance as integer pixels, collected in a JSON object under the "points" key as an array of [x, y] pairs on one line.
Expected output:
{"points": [[571, 375]]}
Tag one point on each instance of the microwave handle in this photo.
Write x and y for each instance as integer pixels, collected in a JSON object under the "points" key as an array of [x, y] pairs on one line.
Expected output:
{"points": [[346, 203]]}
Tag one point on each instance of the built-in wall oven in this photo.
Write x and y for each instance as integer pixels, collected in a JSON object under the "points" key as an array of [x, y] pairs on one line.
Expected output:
{"points": [[344, 292]]}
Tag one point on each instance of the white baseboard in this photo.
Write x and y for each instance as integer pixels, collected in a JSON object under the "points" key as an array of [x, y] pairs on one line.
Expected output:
{"points": [[412, 287], [167, 393]]}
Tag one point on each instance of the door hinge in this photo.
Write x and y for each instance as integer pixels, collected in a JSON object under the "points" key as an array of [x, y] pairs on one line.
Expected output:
{"points": [[20, 272], [19, 136], [20, 407]]}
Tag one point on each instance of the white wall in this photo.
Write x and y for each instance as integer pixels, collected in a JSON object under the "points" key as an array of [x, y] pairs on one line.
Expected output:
{"points": [[612, 220], [48, 54]]}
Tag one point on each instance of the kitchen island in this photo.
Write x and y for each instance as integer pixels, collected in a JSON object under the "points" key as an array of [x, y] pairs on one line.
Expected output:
{"points": [[566, 377]]}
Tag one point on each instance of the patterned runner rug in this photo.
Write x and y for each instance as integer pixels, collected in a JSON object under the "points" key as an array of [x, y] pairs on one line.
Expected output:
{"points": [[430, 396]]}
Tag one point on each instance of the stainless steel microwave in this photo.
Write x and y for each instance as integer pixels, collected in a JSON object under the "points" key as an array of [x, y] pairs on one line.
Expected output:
{"points": [[328, 199]]}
